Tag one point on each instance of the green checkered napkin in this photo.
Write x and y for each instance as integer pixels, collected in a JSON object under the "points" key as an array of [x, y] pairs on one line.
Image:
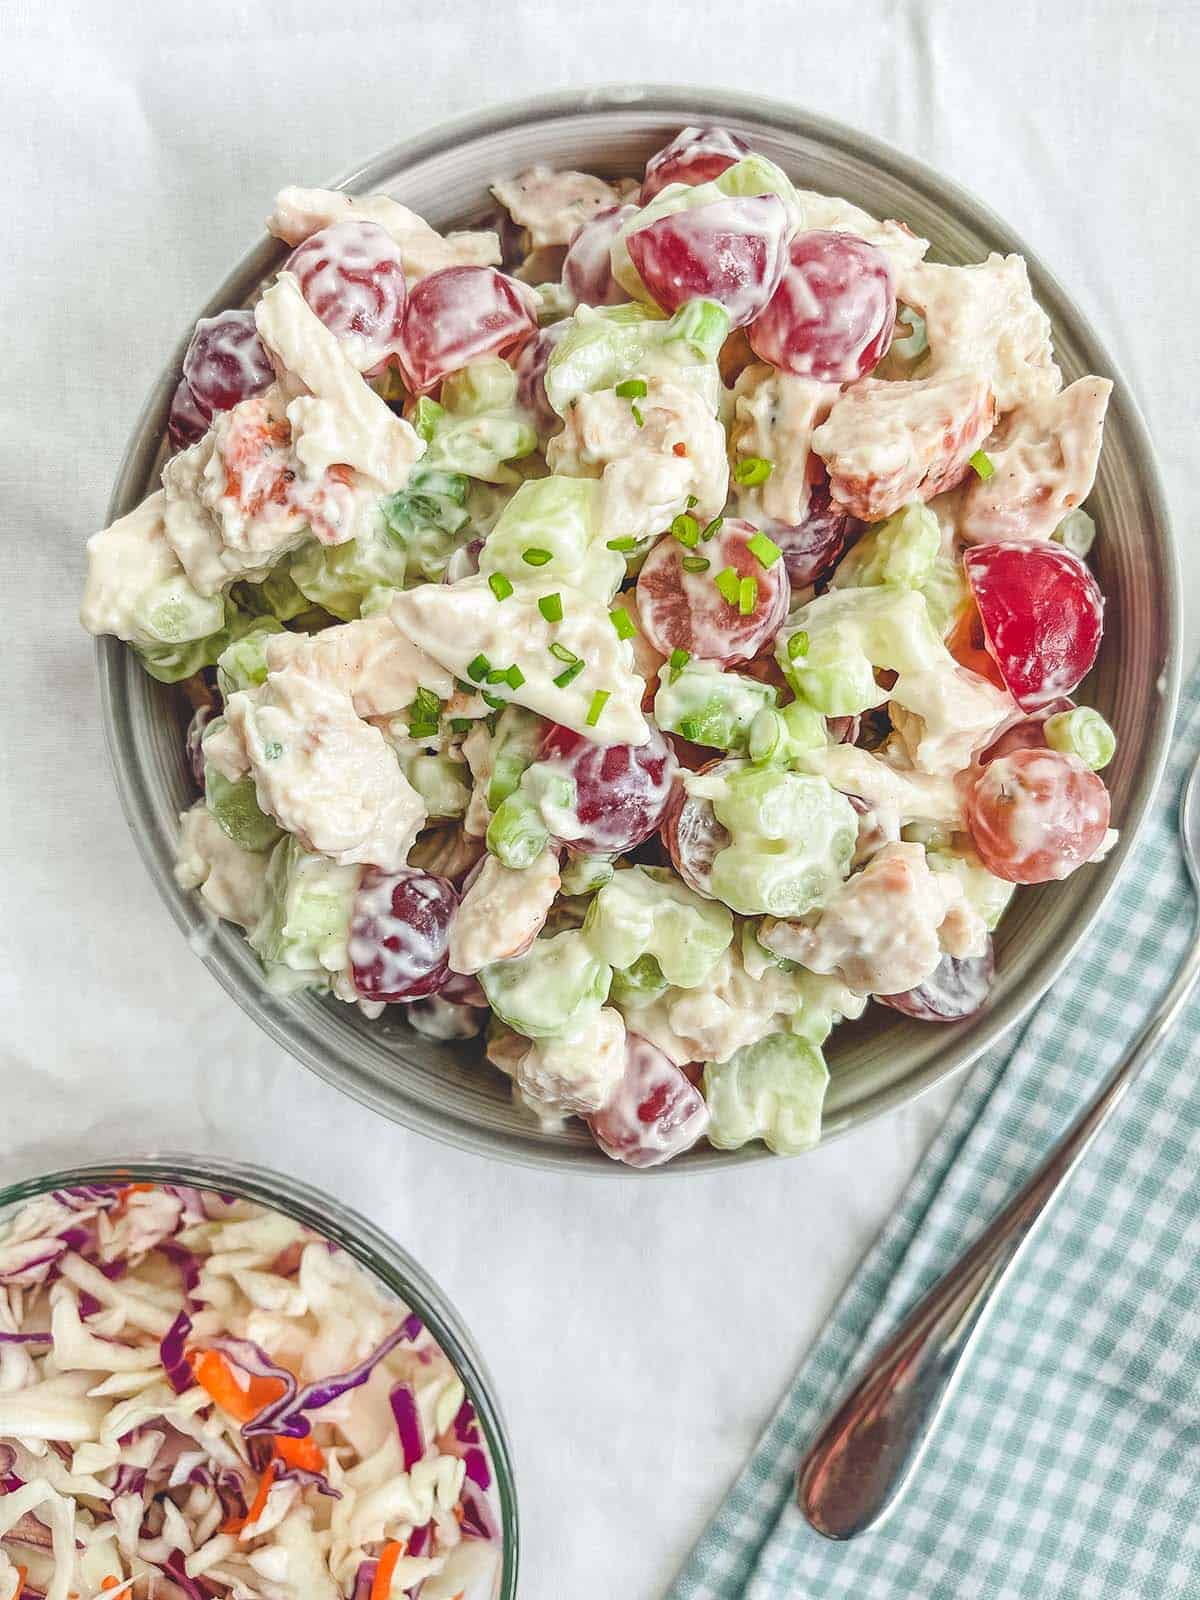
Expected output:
{"points": [[1068, 1463]]}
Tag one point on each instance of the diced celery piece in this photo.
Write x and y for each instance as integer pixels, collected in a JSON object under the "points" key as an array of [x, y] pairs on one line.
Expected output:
{"points": [[773, 1090]]}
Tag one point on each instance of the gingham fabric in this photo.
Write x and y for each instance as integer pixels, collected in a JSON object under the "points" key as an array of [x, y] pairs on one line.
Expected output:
{"points": [[1068, 1463]]}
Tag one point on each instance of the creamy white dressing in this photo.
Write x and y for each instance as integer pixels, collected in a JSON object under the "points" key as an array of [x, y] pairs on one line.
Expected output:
{"points": [[774, 417], [376, 664], [136, 587], [502, 912], [230, 880], [577, 1072], [299, 213], [898, 242], [550, 205], [458, 623]]}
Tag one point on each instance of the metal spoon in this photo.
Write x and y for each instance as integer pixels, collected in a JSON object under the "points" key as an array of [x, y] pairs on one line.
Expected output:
{"points": [[871, 1445]]}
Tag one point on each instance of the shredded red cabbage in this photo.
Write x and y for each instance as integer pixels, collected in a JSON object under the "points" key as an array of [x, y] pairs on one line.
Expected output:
{"points": [[129, 1480], [302, 1476], [418, 1540], [26, 1338], [477, 1519], [364, 1578], [466, 1429], [174, 1569], [286, 1415], [170, 1353], [88, 1305], [408, 1424], [180, 1256], [476, 1467]]}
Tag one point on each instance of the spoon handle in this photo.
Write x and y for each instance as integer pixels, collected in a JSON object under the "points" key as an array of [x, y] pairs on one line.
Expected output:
{"points": [[868, 1449]]}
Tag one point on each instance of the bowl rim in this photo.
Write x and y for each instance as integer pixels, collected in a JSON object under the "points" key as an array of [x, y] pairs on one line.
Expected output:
{"points": [[376, 1252], [671, 102]]}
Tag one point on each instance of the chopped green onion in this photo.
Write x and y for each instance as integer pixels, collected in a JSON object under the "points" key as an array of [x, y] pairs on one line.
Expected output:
{"points": [[478, 669], [713, 527], [982, 463], [460, 724], [498, 675], [797, 645], [747, 596], [561, 653], [752, 470], [536, 557], [273, 751], [569, 674], [637, 415], [426, 417], [696, 563], [765, 551], [494, 700], [423, 715], [687, 530], [550, 605], [514, 677], [622, 622], [599, 701], [692, 501], [632, 389], [727, 582], [623, 545], [677, 661], [500, 586], [467, 688]]}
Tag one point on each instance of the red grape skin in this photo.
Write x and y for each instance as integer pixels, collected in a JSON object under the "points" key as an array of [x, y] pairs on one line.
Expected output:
{"points": [[832, 316], [733, 251], [692, 834], [686, 611], [621, 790], [399, 934], [812, 548], [352, 276], [530, 365], [186, 422], [459, 315], [587, 270], [1027, 734], [958, 987], [226, 362], [694, 155], [1036, 815], [1042, 613], [656, 1112]]}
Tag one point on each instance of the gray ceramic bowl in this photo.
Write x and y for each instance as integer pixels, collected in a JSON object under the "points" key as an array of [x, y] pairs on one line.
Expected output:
{"points": [[883, 1061]]}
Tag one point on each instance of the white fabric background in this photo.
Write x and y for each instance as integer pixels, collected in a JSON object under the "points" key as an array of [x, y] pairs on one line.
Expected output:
{"points": [[640, 1334]]}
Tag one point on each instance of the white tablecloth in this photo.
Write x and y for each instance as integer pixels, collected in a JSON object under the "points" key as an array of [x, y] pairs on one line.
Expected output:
{"points": [[640, 1333]]}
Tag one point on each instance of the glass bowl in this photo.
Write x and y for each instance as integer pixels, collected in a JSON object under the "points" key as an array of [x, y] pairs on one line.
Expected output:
{"points": [[391, 1266], [883, 1061]]}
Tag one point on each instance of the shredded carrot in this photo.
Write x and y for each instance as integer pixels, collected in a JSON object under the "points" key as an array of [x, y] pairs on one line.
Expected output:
{"points": [[110, 1583], [130, 1189], [22, 1574], [302, 1453], [214, 1375], [236, 1524], [381, 1586]]}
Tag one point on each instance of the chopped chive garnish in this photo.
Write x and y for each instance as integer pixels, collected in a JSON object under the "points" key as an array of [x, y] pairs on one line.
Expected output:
{"points": [[677, 661], [460, 724], [599, 701], [747, 595], [713, 527], [569, 674], [692, 501], [765, 551], [623, 545], [632, 389], [500, 586], [687, 530], [514, 677], [637, 415], [536, 557], [467, 688], [423, 715], [696, 563], [494, 700], [550, 605], [561, 653], [498, 675], [752, 470], [727, 582], [797, 645], [982, 463], [478, 669], [622, 622]]}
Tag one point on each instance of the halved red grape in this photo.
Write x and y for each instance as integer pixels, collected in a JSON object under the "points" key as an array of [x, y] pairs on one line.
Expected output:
{"points": [[1036, 815], [656, 1112], [692, 834], [1029, 733], [733, 251], [966, 643], [186, 422], [530, 365], [1042, 613], [399, 933], [226, 362], [694, 155], [352, 275], [683, 610], [812, 548], [832, 316], [957, 987], [459, 315], [621, 790], [587, 270]]}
